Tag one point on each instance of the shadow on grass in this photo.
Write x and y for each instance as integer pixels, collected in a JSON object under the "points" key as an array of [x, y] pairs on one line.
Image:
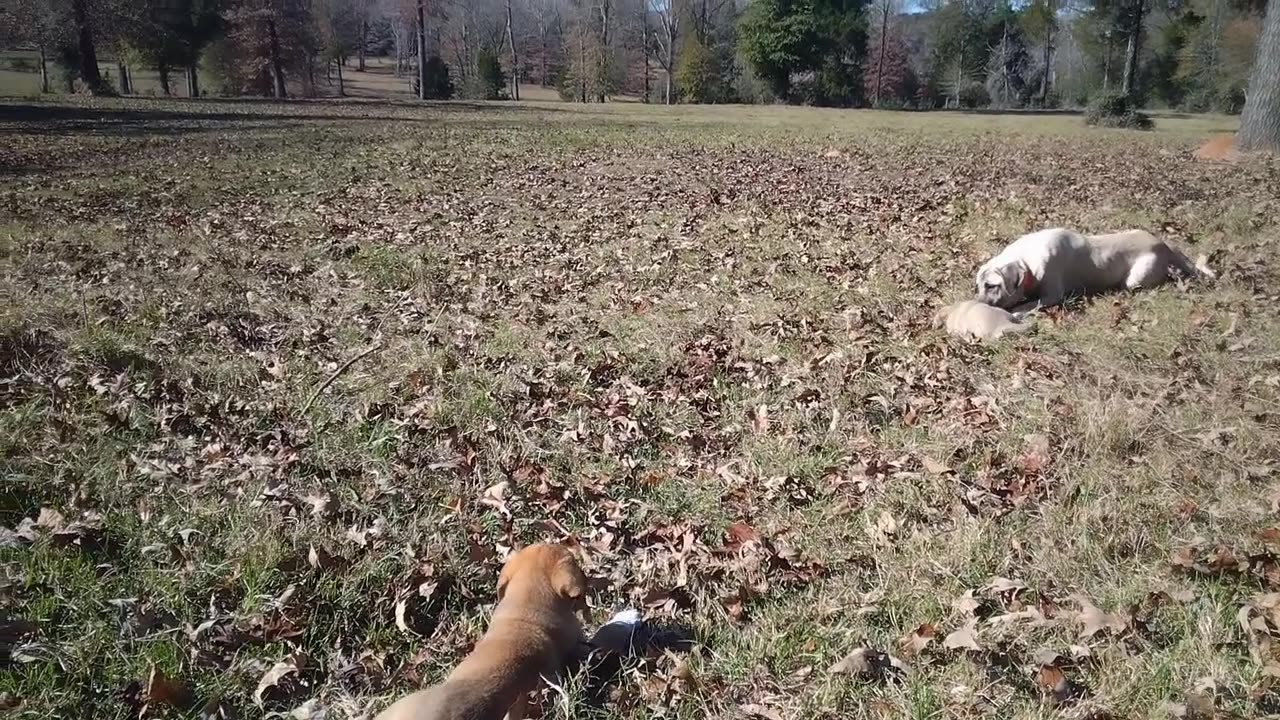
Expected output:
{"points": [[161, 116]]}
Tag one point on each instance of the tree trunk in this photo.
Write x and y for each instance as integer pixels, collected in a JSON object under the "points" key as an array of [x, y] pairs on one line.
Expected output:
{"points": [[1260, 120], [546, 72], [193, 81], [44, 72], [582, 67], [1135, 45], [364, 30], [515, 58], [601, 62], [422, 51], [644, 44], [123, 72], [277, 66], [163, 71], [84, 43], [1106, 66], [1046, 82], [342, 88], [884, 30]]}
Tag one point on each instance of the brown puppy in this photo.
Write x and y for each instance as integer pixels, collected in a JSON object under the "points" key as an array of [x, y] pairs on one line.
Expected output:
{"points": [[533, 634]]}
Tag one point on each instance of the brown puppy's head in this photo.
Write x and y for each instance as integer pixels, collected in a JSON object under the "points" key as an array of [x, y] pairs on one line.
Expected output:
{"points": [[547, 566], [1004, 286]]}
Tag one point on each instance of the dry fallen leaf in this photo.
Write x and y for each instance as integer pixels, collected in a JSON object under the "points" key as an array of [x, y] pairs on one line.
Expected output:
{"points": [[914, 642], [885, 530], [933, 466], [275, 683], [869, 664], [966, 638], [1094, 620], [160, 690], [760, 419], [761, 711]]}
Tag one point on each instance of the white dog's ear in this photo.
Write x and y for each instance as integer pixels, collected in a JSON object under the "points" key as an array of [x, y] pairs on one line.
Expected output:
{"points": [[1018, 277], [1026, 281]]}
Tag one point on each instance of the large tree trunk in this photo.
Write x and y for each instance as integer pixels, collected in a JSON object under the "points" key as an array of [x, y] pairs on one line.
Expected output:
{"points": [[1106, 66], [84, 43], [1046, 82], [601, 63], [884, 31], [546, 74], [515, 58], [193, 81], [44, 72], [644, 44], [342, 86], [1135, 46], [277, 65], [364, 30], [422, 51], [1260, 121]]}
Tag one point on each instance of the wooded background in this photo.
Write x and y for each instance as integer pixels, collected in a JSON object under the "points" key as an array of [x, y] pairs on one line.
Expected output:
{"points": [[1194, 55]]}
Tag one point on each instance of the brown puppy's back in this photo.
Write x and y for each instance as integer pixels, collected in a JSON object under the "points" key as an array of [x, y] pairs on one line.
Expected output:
{"points": [[533, 632]]}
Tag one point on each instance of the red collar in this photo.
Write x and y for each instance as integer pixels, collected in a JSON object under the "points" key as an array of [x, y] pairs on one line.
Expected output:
{"points": [[1028, 282]]}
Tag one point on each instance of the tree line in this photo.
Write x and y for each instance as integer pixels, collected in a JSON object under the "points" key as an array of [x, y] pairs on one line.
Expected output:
{"points": [[1188, 54]]}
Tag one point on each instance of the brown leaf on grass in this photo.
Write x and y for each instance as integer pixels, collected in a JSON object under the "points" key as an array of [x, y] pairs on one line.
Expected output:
{"points": [[914, 642], [1270, 536], [495, 497], [760, 419], [279, 682], [1093, 620], [885, 529], [320, 559], [967, 603], [966, 638], [309, 710], [323, 504], [934, 467], [1055, 683], [738, 534], [756, 710], [417, 611], [869, 664], [161, 690]]}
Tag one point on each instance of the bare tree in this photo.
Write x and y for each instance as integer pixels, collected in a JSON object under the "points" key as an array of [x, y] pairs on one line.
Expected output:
{"points": [[422, 51], [665, 40], [1260, 121], [885, 12], [515, 57], [548, 17]]}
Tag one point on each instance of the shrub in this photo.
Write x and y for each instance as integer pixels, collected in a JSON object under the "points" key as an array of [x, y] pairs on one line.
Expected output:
{"points": [[490, 82], [1116, 110], [974, 95], [439, 85]]}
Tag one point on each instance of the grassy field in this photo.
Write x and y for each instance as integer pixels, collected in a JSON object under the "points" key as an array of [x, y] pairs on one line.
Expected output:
{"points": [[694, 341]]}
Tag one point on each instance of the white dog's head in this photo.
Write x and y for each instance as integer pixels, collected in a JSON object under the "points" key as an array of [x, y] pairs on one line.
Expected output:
{"points": [[1004, 286]]}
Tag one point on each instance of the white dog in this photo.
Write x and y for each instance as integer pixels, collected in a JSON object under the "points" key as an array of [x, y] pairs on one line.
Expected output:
{"points": [[1051, 265], [972, 319]]}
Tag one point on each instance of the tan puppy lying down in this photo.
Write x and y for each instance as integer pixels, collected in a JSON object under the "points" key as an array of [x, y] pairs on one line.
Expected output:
{"points": [[533, 634], [972, 319], [1051, 265]]}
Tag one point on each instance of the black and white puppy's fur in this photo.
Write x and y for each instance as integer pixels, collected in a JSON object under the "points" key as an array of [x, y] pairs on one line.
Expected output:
{"points": [[1051, 265]]}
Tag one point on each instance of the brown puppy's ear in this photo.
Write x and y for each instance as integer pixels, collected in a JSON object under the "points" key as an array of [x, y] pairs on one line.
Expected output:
{"points": [[567, 579]]}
